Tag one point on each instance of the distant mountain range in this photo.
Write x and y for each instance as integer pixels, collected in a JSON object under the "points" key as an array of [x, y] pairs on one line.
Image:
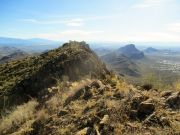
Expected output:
{"points": [[29, 45], [18, 54]]}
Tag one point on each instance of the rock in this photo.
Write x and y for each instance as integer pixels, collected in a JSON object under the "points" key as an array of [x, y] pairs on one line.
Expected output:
{"points": [[118, 95], [62, 112], [86, 131], [96, 84], [152, 120], [165, 121], [137, 100], [87, 94], [133, 114], [105, 120], [147, 87], [173, 101], [166, 93], [145, 109]]}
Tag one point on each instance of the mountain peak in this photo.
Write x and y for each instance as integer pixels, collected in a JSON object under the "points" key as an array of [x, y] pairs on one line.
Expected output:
{"points": [[131, 51]]}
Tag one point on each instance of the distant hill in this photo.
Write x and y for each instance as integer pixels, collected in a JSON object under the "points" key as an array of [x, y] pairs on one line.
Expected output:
{"points": [[121, 64], [131, 51], [123, 60], [27, 77], [16, 55], [151, 50], [7, 50]]}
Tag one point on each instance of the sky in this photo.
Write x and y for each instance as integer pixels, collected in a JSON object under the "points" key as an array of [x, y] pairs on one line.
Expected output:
{"points": [[92, 20]]}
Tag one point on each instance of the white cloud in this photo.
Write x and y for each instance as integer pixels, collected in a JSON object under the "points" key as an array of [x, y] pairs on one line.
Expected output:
{"points": [[72, 35], [150, 3], [75, 22], [113, 37], [174, 27], [72, 22]]}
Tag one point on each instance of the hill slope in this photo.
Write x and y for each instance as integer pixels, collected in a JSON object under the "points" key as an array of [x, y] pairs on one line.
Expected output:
{"points": [[23, 78], [96, 107], [121, 64]]}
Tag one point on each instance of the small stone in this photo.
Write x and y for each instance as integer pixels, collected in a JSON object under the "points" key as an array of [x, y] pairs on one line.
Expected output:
{"points": [[85, 131], [105, 120]]}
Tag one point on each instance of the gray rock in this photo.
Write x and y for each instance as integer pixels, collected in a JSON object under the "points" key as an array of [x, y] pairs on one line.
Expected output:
{"points": [[145, 109], [173, 101]]}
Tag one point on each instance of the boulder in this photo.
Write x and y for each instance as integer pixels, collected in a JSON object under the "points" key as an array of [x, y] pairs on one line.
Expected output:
{"points": [[173, 101], [145, 109], [152, 120], [147, 87]]}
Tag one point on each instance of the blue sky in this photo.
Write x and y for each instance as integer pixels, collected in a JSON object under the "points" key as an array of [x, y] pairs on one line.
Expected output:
{"points": [[92, 20]]}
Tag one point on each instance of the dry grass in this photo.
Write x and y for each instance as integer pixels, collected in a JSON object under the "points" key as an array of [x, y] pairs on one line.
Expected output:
{"points": [[22, 116]]}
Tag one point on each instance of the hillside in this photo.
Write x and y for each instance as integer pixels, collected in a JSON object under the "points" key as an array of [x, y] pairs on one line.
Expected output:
{"points": [[69, 91], [104, 107], [121, 64], [26, 78]]}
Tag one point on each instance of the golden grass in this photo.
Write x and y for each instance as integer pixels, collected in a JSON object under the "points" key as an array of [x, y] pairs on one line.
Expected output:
{"points": [[18, 117]]}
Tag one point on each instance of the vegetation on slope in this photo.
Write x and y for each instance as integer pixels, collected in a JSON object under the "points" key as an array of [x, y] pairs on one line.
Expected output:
{"points": [[23, 78], [103, 107]]}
